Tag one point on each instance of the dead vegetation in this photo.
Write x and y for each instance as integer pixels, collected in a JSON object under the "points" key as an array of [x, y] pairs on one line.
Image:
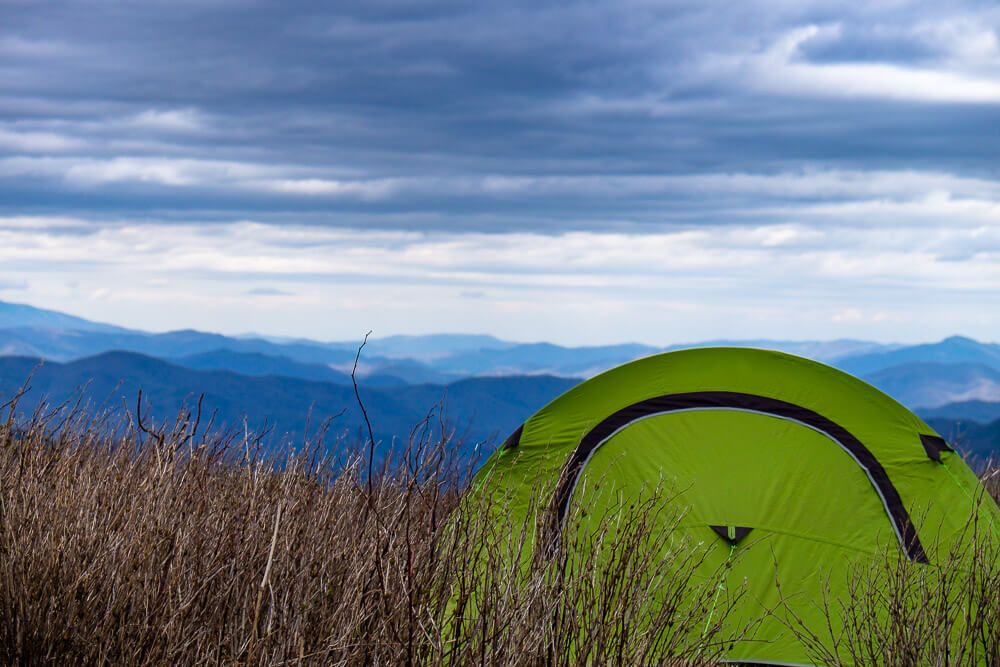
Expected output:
{"points": [[157, 546], [129, 544], [901, 614]]}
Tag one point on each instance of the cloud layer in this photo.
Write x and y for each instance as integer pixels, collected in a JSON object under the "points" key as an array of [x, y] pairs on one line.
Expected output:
{"points": [[601, 171]]}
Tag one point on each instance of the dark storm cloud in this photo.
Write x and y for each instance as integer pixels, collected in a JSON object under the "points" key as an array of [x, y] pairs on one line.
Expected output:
{"points": [[490, 117]]}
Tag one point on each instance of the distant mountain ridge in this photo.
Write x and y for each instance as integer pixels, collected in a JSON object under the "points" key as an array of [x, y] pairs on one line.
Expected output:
{"points": [[434, 358], [535, 358], [953, 350], [65, 345], [981, 412], [955, 381], [435, 346], [933, 384], [482, 409], [826, 351], [19, 315], [256, 364]]}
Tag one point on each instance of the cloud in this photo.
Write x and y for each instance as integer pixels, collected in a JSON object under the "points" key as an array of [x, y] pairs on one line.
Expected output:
{"points": [[782, 161], [782, 69], [38, 142], [761, 254], [17, 46], [13, 285], [789, 279], [962, 40], [267, 291], [162, 171], [374, 189], [616, 200], [175, 120], [847, 315]]}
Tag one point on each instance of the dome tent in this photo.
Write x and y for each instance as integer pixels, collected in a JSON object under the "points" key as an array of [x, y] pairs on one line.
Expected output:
{"points": [[801, 470]]}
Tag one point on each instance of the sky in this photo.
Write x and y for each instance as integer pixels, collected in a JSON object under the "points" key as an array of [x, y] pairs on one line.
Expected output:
{"points": [[605, 171]]}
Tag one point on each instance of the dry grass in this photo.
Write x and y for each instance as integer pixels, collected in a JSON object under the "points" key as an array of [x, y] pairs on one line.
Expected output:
{"points": [[158, 547], [991, 479], [899, 614]]}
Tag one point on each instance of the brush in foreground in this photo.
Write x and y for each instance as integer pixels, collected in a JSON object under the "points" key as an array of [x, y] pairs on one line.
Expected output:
{"points": [[160, 547]]}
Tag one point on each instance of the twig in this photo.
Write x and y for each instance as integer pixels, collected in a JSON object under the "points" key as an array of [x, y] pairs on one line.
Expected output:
{"points": [[197, 421], [142, 427], [25, 388], [264, 583], [364, 411]]}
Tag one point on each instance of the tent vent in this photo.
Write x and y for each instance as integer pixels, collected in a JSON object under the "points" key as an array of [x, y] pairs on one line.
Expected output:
{"points": [[934, 445], [732, 534], [514, 439]]}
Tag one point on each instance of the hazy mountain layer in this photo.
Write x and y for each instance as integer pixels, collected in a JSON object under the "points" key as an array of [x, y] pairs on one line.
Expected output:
{"points": [[489, 381], [482, 409]]}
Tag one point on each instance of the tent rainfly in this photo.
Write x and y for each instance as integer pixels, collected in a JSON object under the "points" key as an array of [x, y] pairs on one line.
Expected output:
{"points": [[795, 471]]}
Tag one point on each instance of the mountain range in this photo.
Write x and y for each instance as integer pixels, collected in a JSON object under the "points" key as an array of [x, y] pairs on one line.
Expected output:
{"points": [[486, 385], [478, 410]]}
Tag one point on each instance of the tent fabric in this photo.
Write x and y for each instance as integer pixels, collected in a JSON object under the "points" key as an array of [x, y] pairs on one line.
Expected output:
{"points": [[801, 469]]}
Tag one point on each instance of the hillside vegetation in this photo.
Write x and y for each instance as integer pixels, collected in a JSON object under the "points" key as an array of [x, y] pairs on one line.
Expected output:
{"points": [[121, 543]]}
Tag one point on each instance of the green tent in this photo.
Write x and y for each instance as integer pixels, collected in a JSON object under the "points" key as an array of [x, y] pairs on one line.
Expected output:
{"points": [[796, 468]]}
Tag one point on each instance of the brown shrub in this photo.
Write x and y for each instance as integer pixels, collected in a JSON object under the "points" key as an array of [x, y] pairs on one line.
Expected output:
{"points": [[900, 614], [161, 547], [991, 479]]}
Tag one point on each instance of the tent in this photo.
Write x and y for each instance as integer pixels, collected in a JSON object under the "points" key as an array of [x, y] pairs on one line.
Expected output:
{"points": [[797, 468]]}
